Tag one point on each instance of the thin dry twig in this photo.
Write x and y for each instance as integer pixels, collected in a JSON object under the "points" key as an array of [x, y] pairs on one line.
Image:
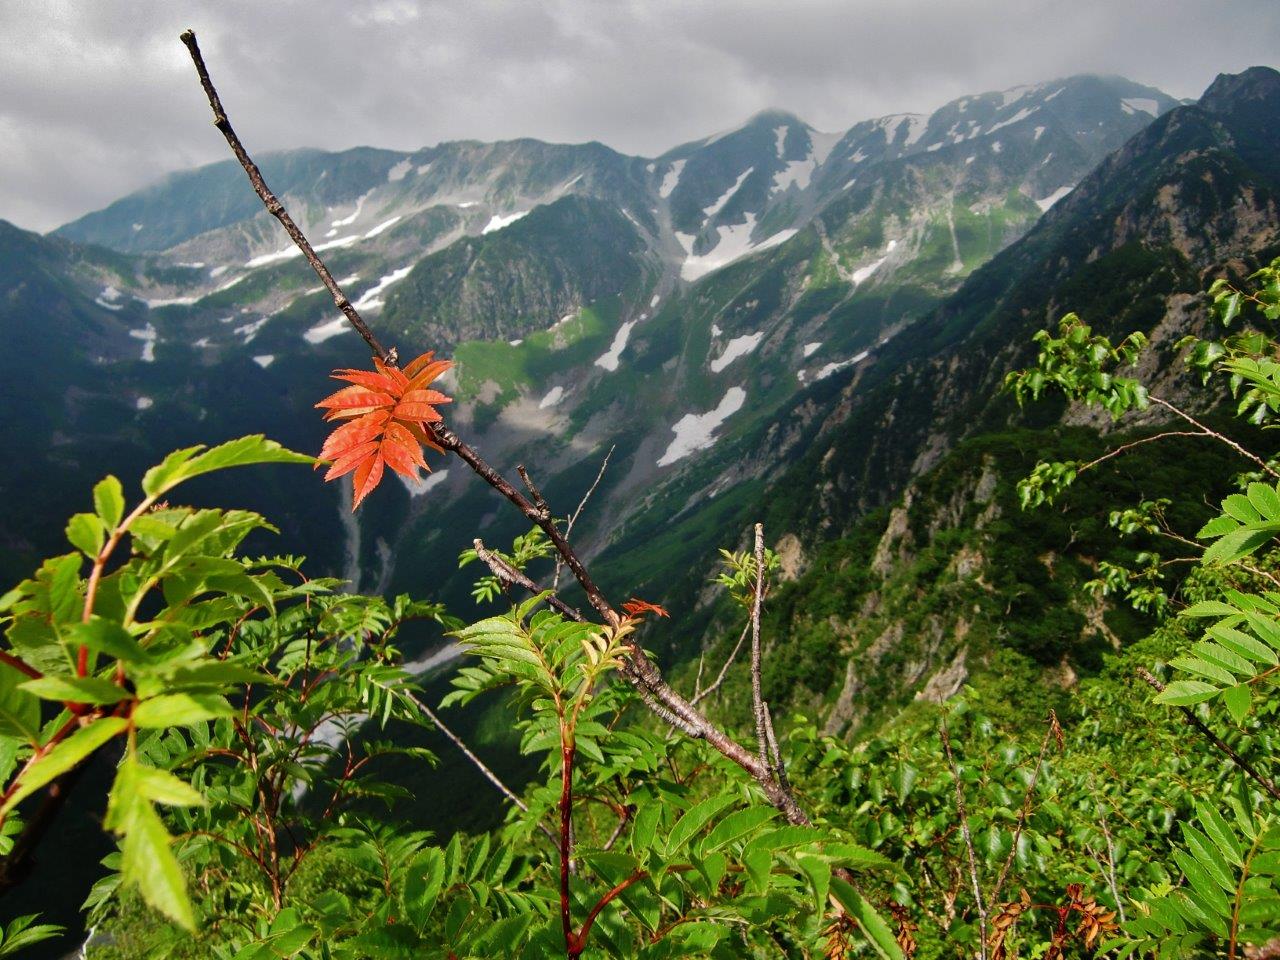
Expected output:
{"points": [[1052, 731], [968, 841], [1111, 868], [573, 518], [1266, 467], [476, 762], [715, 685]]}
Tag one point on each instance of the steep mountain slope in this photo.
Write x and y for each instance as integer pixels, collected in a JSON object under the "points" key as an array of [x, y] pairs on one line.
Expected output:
{"points": [[916, 600], [672, 310]]}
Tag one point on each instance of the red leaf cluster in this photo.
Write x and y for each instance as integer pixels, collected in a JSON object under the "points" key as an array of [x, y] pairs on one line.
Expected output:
{"points": [[636, 608], [385, 411]]}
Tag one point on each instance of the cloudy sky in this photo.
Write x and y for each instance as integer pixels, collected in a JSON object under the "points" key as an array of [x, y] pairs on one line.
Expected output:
{"points": [[98, 98]]}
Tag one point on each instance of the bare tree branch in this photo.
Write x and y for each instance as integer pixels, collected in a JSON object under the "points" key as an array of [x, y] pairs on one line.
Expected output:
{"points": [[1025, 810], [568, 530], [276, 208], [508, 574]]}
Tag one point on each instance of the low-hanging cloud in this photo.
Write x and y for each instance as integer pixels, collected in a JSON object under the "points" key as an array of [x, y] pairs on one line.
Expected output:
{"points": [[99, 98]]}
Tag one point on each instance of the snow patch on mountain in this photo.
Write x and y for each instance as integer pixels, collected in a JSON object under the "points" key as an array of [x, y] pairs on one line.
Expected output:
{"points": [[797, 172], [811, 348], [348, 220], [497, 222], [779, 140], [399, 171], [370, 299], [1016, 118], [554, 396], [734, 243], [288, 253], [148, 335], [716, 207], [1134, 104], [862, 273], [1053, 198], [831, 368], [264, 360], [327, 330], [417, 486], [108, 297], [382, 227], [696, 431], [671, 178], [609, 361], [735, 348], [143, 403], [250, 330]]}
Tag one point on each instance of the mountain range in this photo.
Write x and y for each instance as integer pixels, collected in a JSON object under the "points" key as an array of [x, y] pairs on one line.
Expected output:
{"points": [[769, 321]]}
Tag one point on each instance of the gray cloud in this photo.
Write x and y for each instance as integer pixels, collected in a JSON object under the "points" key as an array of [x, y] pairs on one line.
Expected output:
{"points": [[98, 98]]}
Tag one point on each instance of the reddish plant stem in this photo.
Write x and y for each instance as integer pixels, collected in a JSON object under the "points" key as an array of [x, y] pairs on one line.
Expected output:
{"points": [[20, 665], [566, 844], [757, 601], [580, 940]]}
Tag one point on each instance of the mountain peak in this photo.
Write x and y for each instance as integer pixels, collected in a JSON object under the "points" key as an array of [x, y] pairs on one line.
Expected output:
{"points": [[1230, 90]]}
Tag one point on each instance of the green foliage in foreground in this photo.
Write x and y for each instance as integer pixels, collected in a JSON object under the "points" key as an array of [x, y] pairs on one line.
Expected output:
{"points": [[257, 811]]}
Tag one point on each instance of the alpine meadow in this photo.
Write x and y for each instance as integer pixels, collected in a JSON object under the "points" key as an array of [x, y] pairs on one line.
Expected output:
{"points": [[796, 544]]}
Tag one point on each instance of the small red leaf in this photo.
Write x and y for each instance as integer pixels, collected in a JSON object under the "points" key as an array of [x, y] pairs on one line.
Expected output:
{"points": [[637, 608], [368, 476], [387, 410]]}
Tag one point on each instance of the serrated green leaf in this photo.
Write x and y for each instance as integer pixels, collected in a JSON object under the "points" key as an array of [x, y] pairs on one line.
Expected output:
{"points": [[1238, 700], [108, 501], [872, 924], [694, 819], [1265, 500], [86, 533], [63, 757], [194, 461], [179, 709], [737, 825], [1184, 693], [1239, 543], [76, 689], [1210, 608], [147, 860]]}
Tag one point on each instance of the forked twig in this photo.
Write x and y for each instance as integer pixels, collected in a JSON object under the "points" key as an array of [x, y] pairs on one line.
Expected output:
{"points": [[568, 530]]}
